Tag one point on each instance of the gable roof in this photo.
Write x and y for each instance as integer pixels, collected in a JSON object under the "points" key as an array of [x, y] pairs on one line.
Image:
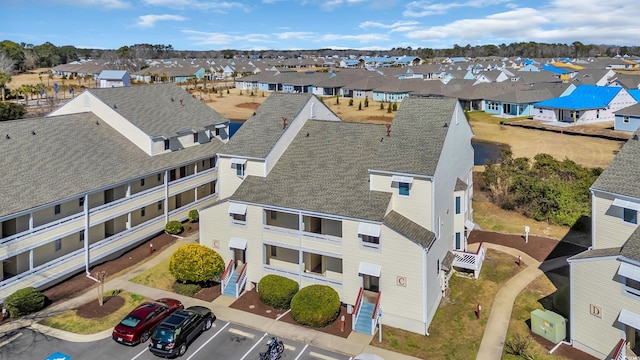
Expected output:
{"points": [[584, 97], [70, 155], [621, 175], [112, 74], [151, 109], [409, 229]]}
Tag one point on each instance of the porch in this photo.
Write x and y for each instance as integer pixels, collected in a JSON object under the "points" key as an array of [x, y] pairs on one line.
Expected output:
{"points": [[471, 259]]}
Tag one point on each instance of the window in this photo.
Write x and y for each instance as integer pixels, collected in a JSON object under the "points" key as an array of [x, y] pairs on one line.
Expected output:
{"points": [[212, 162], [273, 215], [625, 119], [371, 239], [159, 205], [217, 132], [195, 137], [58, 245], [493, 105], [458, 205], [458, 244], [141, 182], [166, 144], [81, 235], [240, 217], [56, 209], [438, 267], [597, 113], [159, 177], [633, 284], [630, 216], [403, 188], [240, 169], [143, 211], [81, 202], [274, 251]]}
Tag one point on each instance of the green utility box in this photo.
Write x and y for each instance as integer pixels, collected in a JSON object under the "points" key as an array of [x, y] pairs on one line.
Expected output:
{"points": [[549, 325]]}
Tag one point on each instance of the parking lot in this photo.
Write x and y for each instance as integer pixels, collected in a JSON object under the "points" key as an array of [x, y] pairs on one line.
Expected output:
{"points": [[223, 341]]}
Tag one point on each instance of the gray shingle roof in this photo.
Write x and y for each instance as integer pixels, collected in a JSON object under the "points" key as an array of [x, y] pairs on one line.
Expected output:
{"points": [[596, 253], [328, 171], [622, 175], [631, 247], [70, 155], [150, 108], [409, 229], [633, 110], [260, 132]]}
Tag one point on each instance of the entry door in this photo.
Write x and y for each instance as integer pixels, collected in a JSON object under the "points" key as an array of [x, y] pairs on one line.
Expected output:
{"points": [[370, 283], [239, 258]]}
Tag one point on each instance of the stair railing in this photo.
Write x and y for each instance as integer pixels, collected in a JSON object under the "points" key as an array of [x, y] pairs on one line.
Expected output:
{"points": [[226, 276], [241, 280], [377, 312], [356, 309]]}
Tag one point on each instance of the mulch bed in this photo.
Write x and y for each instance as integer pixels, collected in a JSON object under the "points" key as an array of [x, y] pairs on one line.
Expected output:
{"points": [[209, 293], [250, 301], [539, 248], [93, 310]]}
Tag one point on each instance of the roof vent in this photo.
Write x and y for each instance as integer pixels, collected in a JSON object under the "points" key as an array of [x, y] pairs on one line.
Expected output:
{"points": [[172, 99], [8, 137], [635, 137], [97, 122], [115, 106], [284, 123], [445, 125], [181, 102], [388, 129], [33, 132]]}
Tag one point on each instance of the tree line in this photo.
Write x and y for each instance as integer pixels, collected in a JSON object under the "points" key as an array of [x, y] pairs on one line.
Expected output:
{"points": [[131, 57]]}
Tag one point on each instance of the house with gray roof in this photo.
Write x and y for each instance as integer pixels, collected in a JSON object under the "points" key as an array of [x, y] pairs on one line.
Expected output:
{"points": [[379, 213], [604, 317], [99, 175]]}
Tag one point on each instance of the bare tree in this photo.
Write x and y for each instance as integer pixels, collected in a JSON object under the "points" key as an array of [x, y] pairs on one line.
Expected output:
{"points": [[100, 275], [6, 64]]}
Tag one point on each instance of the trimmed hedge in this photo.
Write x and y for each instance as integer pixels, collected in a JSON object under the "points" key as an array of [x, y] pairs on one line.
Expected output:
{"points": [[195, 263], [24, 301], [277, 291], [316, 306], [194, 216], [173, 227]]}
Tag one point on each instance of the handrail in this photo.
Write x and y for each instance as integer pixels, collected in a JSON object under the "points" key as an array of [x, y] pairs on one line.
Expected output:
{"points": [[374, 314], [242, 271], [619, 353], [242, 278], [226, 276], [356, 308]]}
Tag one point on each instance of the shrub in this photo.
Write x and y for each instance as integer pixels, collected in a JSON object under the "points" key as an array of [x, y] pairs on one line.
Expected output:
{"points": [[315, 305], [350, 102], [277, 291], [366, 101], [195, 263], [381, 106], [186, 289], [395, 107], [194, 216], [173, 227], [360, 106], [561, 301], [24, 301], [518, 344]]}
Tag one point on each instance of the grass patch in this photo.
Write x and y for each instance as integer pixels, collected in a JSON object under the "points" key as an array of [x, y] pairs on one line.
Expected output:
{"points": [[491, 217], [541, 289], [70, 321], [157, 277], [481, 116], [455, 333]]}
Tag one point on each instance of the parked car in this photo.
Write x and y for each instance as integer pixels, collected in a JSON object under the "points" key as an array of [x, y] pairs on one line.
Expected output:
{"points": [[139, 324], [176, 332]]}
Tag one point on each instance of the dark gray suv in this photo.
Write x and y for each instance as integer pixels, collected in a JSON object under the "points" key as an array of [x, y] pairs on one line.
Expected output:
{"points": [[175, 333]]}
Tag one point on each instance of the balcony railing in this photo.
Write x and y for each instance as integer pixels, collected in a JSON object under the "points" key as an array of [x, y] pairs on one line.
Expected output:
{"points": [[356, 308], [470, 260]]}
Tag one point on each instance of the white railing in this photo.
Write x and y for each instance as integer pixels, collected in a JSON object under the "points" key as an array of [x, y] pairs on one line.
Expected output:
{"points": [[226, 276], [322, 237], [619, 353], [356, 308], [35, 230], [281, 230], [241, 280], [470, 260], [377, 313]]}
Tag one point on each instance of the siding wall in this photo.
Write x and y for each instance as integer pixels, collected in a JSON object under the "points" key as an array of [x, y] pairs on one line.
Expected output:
{"points": [[609, 230], [229, 181]]}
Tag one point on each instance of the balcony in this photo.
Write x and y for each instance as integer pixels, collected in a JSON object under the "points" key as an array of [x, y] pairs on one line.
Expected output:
{"points": [[470, 260]]}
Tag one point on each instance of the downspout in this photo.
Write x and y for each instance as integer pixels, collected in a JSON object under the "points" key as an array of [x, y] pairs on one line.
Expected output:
{"points": [[593, 222], [86, 239], [166, 196]]}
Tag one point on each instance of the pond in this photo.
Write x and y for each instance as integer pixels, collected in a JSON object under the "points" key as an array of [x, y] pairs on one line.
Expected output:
{"points": [[484, 152]]}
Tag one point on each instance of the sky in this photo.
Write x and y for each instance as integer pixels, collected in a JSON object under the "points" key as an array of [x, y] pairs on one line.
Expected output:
{"points": [[316, 24]]}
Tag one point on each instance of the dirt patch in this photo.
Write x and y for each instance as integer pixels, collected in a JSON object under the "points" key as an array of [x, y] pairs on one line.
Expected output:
{"points": [[252, 106], [250, 302], [209, 293], [563, 350], [384, 119], [93, 310]]}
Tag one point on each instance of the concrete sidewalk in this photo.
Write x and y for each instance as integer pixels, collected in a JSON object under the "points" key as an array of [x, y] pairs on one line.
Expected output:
{"points": [[495, 332], [356, 343]]}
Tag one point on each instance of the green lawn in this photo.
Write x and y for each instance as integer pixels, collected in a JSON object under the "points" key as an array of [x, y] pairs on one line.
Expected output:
{"points": [[70, 321], [157, 277], [455, 333]]}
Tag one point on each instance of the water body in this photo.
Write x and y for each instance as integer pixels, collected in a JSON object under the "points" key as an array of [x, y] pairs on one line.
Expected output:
{"points": [[483, 151]]}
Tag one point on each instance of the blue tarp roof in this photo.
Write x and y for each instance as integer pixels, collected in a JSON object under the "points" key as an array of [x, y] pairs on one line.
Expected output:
{"points": [[554, 69], [635, 93], [584, 97]]}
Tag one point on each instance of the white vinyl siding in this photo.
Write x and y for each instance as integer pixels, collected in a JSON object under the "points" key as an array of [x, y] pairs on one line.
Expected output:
{"points": [[610, 229], [229, 180]]}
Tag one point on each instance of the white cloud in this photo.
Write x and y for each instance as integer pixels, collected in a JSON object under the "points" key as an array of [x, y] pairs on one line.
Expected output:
{"points": [[102, 4], [215, 6], [364, 38], [150, 20], [397, 24], [227, 40], [427, 8], [329, 5]]}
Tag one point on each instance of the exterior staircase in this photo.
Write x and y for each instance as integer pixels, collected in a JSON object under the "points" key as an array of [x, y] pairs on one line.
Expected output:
{"points": [[230, 290], [363, 325]]}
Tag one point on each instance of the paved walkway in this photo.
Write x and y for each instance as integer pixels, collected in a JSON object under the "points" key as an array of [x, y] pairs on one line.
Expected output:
{"points": [[356, 343], [495, 332]]}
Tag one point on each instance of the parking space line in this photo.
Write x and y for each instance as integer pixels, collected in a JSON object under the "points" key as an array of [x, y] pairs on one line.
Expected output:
{"points": [[206, 342], [321, 356], [302, 352], [241, 333], [254, 346], [10, 339], [140, 353], [282, 315]]}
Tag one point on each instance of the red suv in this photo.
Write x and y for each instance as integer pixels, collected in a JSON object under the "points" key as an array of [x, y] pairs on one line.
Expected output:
{"points": [[139, 324]]}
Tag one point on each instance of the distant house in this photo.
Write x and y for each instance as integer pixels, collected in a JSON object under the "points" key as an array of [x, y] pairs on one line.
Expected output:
{"points": [[627, 119], [113, 78], [520, 101], [586, 104]]}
